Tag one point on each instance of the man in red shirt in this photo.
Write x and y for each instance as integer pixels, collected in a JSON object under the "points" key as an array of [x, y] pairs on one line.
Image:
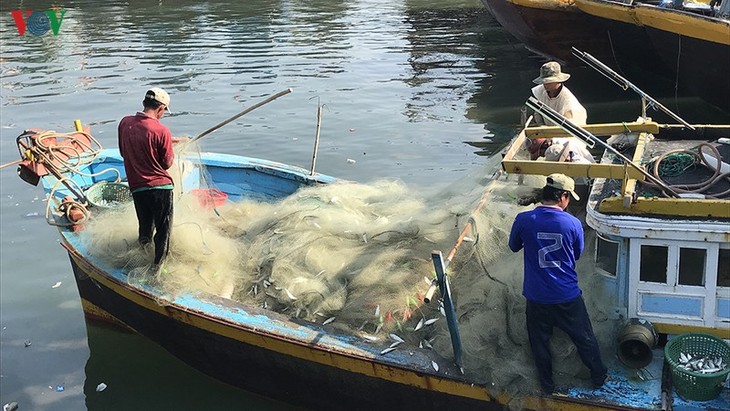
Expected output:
{"points": [[146, 146]]}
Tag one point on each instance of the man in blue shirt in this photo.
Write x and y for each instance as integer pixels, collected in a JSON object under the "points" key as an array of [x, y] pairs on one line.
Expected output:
{"points": [[553, 241]]}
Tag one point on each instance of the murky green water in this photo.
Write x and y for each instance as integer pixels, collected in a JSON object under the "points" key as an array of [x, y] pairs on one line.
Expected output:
{"points": [[415, 90]]}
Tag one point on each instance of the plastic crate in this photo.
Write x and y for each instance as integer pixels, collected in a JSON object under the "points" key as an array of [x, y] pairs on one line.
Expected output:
{"points": [[693, 385], [108, 195], [210, 198]]}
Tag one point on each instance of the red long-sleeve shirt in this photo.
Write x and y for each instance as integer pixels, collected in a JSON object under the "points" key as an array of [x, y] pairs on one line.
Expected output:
{"points": [[146, 145]]}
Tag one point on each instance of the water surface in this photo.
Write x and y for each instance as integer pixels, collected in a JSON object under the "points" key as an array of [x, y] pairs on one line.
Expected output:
{"points": [[421, 91]]}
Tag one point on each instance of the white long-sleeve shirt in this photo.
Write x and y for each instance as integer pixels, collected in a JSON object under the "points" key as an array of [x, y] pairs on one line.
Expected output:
{"points": [[564, 103]]}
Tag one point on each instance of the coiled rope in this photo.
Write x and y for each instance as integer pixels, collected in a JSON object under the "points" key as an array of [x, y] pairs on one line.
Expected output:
{"points": [[676, 162]]}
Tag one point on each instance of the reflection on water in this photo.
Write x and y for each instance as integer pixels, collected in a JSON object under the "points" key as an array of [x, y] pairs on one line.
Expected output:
{"points": [[140, 375], [412, 90]]}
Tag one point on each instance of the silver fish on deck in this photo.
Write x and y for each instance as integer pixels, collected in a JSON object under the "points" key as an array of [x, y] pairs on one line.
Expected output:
{"points": [[396, 338], [387, 350], [395, 344], [327, 321], [419, 325]]}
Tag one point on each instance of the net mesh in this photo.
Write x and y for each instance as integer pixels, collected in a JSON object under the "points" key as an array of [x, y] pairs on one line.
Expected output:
{"points": [[357, 256]]}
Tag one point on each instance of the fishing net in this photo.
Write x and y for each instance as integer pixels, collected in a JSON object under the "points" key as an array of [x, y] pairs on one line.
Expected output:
{"points": [[357, 257]]}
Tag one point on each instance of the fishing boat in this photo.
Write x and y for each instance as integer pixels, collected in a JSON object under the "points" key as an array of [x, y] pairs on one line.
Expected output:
{"points": [[689, 41], [548, 27], [662, 235], [327, 368]]}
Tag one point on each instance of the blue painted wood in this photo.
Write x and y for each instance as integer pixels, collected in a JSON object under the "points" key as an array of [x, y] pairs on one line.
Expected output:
{"points": [[723, 308], [665, 304], [443, 281]]}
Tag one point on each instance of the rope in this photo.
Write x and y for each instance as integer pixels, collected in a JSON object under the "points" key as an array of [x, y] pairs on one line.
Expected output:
{"points": [[67, 153], [676, 162]]}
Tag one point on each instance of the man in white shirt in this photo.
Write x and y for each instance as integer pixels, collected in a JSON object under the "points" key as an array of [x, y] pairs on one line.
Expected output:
{"points": [[551, 91]]}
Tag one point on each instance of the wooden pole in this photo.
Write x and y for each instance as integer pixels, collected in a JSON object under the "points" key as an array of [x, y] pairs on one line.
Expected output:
{"points": [[316, 139], [10, 163], [254, 107]]}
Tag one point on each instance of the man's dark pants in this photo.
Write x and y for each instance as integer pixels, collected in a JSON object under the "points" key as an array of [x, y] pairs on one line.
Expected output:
{"points": [[572, 318], [154, 212]]}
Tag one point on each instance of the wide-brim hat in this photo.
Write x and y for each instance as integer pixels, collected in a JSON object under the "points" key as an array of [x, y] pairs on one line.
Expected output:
{"points": [[550, 72]]}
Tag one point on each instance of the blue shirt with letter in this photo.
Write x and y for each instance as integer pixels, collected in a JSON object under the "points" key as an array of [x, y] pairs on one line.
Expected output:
{"points": [[553, 241]]}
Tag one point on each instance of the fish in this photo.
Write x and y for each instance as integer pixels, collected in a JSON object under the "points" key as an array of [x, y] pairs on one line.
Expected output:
{"points": [[396, 338], [427, 344], [395, 344], [290, 295], [387, 350], [329, 320], [431, 321], [370, 337], [435, 365], [419, 325], [377, 311]]}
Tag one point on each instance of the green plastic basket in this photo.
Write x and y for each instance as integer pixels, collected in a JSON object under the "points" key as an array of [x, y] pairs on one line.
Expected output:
{"points": [[108, 195], [692, 385]]}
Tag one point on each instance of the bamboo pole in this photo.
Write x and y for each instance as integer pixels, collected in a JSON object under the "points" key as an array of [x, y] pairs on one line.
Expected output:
{"points": [[316, 139]]}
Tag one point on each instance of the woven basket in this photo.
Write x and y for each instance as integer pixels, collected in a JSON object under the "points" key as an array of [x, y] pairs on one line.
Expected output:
{"points": [[694, 385], [108, 195]]}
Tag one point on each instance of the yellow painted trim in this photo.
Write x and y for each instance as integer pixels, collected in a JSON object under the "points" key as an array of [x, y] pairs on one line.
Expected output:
{"points": [[680, 207], [593, 170], [629, 184], [681, 329], [609, 10], [98, 312], [367, 366], [550, 5], [684, 23], [602, 129]]}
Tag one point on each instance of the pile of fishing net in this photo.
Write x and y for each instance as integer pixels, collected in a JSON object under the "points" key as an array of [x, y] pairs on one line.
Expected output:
{"points": [[357, 257]]}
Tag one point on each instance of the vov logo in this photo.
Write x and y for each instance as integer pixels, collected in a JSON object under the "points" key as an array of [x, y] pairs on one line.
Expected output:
{"points": [[38, 22]]}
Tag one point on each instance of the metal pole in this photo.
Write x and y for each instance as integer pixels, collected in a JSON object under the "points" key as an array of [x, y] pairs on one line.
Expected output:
{"points": [[584, 135], [625, 84]]}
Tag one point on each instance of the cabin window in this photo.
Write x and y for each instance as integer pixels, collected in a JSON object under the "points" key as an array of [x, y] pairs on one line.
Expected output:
{"points": [[653, 267], [606, 255], [692, 266], [723, 268]]}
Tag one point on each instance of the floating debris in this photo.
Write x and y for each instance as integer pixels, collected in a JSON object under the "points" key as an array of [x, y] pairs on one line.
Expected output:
{"points": [[11, 406], [101, 387], [350, 161], [59, 388], [58, 284], [27, 343]]}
